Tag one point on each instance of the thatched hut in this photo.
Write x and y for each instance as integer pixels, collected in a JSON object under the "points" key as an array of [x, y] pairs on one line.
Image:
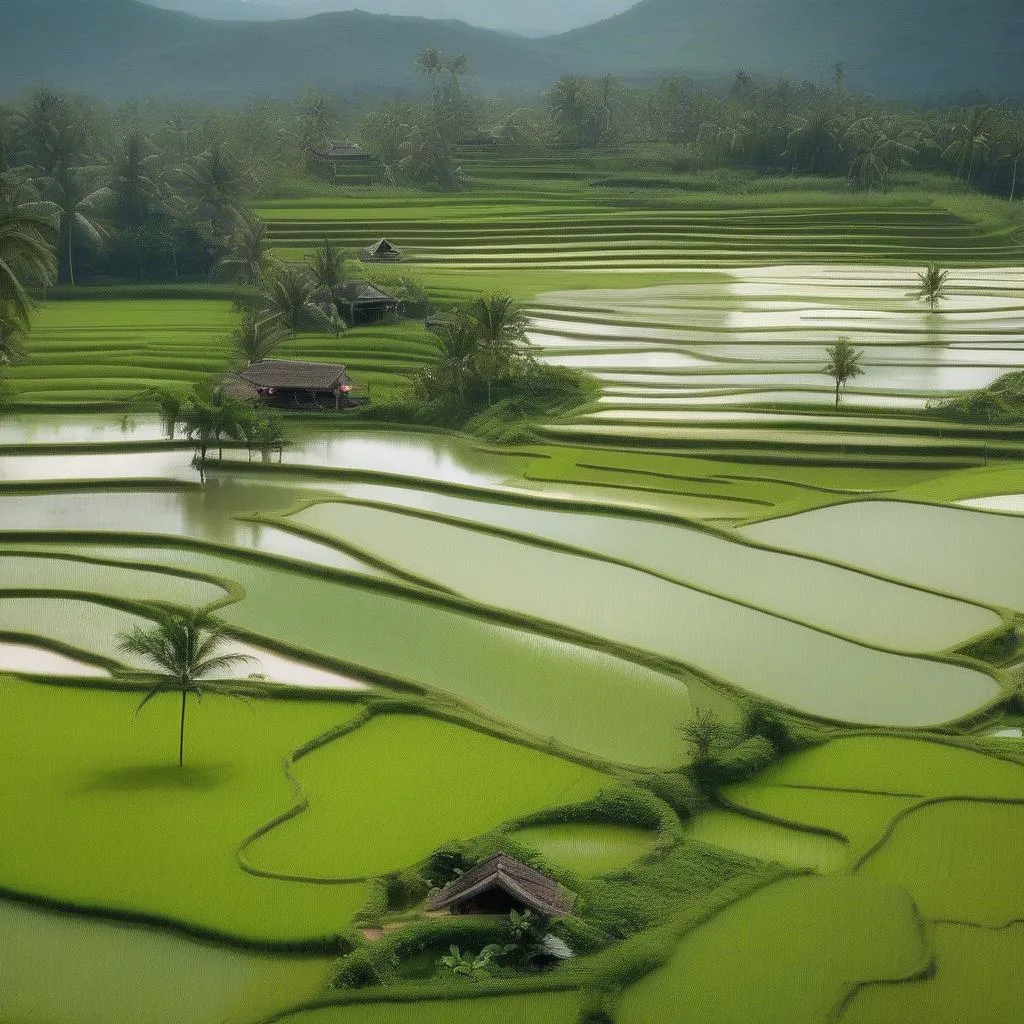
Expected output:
{"points": [[363, 303], [382, 252], [499, 885], [289, 384]]}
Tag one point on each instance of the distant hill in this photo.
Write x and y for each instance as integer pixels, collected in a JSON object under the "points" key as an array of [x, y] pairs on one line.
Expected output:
{"points": [[118, 49], [890, 46]]}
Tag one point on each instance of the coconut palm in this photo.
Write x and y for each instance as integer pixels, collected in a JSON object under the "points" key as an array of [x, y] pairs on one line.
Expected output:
{"points": [[1011, 148], [216, 185], [55, 132], [134, 174], [932, 285], [843, 364], [501, 328], [26, 254], [970, 138], [82, 209], [186, 649], [327, 265], [249, 261], [290, 296], [169, 405], [256, 337], [458, 342], [207, 417]]}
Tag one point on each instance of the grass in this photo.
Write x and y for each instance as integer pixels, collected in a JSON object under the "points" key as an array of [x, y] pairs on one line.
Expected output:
{"points": [[976, 978], [588, 849], [786, 954], [894, 766], [118, 974], [542, 1008], [404, 785], [958, 859], [106, 820]]}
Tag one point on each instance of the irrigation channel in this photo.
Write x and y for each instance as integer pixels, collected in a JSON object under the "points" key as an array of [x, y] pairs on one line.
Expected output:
{"points": [[713, 528]]}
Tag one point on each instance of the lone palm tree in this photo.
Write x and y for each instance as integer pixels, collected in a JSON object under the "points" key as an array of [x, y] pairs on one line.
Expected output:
{"points": [[501, 328], [458, 341], [843, 364], [290, 295], [327, 265], [184, 648], [80, 214], [932, 285], [970, 137], [169, 405], [256, 337], [26, 256], [250, 261]]}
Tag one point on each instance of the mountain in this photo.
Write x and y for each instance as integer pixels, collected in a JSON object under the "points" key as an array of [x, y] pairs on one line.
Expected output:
{"points": [[889, 46], [119, 49]]}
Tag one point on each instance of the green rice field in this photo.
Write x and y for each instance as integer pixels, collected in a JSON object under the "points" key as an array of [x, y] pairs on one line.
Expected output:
{"points": [[460, 647]]}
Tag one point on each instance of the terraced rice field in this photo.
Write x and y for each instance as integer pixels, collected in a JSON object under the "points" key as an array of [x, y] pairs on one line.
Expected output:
{"points": [[451, 640]]}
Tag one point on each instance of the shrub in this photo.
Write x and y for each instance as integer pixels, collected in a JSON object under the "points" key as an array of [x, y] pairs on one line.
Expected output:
{"points": [[405, 889], [678, 791]]}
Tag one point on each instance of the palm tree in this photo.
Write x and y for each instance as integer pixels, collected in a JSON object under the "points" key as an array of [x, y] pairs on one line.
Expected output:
{"points": [[134, 179], [256, 337], [81, 215], [169, 405], [501, 328], [184, 647], [970, 136], [207, 417], [26, 254], [843, 364], [290, 296], [932, 285], [1011, 147], [217, 185], [327, 265], [249, 262], [458, 341]]}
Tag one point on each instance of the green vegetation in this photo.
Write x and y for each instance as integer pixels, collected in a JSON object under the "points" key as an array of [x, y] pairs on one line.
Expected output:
{"points": [[843, 364]]}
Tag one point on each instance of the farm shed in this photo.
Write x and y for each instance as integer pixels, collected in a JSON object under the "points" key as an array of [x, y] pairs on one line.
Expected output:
{"points": [[348, 161], [501, 884], [289, 384], [363, 303], [382, 252]]}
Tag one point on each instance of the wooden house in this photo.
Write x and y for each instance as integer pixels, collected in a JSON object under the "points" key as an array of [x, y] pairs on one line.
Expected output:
{"points": [[499, 885], [347, 162], [363, 303], [289, 384]]}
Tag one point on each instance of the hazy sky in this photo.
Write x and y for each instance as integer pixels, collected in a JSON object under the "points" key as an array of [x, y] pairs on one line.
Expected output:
{"points": [[532, 17]]}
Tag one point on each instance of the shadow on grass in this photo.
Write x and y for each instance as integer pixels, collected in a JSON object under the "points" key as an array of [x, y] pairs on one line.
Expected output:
{"points": [[157, 776]]}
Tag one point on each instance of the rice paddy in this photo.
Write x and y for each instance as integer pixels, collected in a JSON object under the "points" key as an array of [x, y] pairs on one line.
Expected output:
{"points": [[453, 638]]}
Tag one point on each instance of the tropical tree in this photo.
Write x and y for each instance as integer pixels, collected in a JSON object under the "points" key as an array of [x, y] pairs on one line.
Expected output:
{"points": [[932, 288], [186, 648], [55, 132], [207, 417], [169, 404], [26, 254], [216, 185], [263, 431], [501, 328], [425, 156], [843, 364], [290, 296], [256, 336], [327, 265], [82, 215], [458, 342], [1011, 148], [970, 138], [134, 174], [575, 109], [249, 260]]}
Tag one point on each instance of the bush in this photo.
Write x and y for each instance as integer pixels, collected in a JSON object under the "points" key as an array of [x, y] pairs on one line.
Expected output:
{"points": [[678, 791], [405, 890]]}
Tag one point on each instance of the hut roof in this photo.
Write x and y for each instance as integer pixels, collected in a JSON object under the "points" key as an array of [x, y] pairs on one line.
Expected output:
{"points": [[341, 150], [289, 373], [383, 250], [363, 291], [237, 387], [536, 890]]}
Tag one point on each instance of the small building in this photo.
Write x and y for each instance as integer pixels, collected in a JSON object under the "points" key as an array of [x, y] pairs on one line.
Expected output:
{"points": [[382, 252], [499, 885], [289, 384], [363, 303], [347, 161]]}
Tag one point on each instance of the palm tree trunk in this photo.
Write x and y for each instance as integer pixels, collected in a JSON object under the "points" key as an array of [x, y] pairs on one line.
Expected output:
{"points": [[181, 735], [1013, 185], [837, 392], [71, 261]]}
